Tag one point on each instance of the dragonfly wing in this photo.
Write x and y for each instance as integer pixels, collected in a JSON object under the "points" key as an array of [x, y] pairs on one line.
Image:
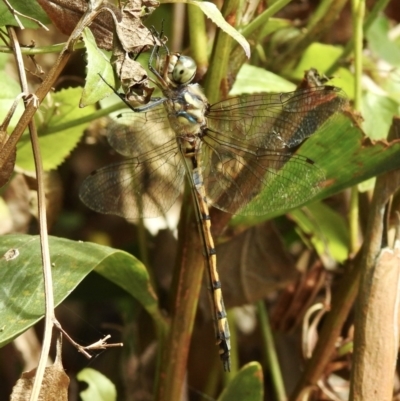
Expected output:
{"points": [[267, 181], [274, 120], [139, 187], [132, 133], [248, 157]]}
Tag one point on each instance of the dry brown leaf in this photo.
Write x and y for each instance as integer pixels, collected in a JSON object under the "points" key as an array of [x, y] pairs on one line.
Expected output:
{"points": [[54, 195], [133, 77], [252, 266], [132, 37], [293, 303], [8, 167], [258, 262], [65, 15], [54, 386], [7, 154], [21, 199], [16, 196]]}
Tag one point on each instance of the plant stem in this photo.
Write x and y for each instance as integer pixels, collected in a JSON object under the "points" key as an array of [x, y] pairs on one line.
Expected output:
{"points": [[31, 51], [198, 38], [358, 17], [271, 355], [328, 12], [186, 289], [379, 6], [83, 120], [220, 56], [263, 18], [348, 288]]}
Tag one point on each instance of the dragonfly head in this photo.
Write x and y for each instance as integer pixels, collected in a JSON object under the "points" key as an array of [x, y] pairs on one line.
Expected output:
{"points": [[181, 69]]}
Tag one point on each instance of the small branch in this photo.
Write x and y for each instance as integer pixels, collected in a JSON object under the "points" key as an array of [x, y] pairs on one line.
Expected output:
{"points": [[15, 13], [50, 79], [198, 38], [216, 76], [28, 50], [49, 299], [8, 117], [27, 120], [326, 14], [100, 344], [271, 355], [378, 8], [346, 293]]}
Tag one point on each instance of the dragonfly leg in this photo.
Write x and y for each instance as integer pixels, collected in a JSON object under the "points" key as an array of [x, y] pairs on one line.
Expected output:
{"points": [[154, 53]]}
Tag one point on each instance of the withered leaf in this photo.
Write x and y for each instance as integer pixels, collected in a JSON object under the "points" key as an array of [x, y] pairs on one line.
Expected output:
{"points": [[8, 166], [297, 297], [54, 386], [119, 30], [54, 195], [252, 266], [133, 78], [65, 15], [132, 37], [17, 197]]}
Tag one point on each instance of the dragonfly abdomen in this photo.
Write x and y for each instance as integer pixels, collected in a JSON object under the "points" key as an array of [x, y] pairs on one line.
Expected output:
{"points": [[221, 325]]}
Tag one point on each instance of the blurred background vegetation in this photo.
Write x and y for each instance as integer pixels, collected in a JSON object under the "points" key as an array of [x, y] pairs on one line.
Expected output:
{"points": [[286, 266]]}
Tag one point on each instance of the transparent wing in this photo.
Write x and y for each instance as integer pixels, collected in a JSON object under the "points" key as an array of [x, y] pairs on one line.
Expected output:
{"points": [[133, 134], [247, 157], [265, 180], [274, 120], [145, 186]]}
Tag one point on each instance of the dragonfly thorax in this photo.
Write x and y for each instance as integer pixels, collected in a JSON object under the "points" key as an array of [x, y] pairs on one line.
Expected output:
{"points": [[186, 111]]}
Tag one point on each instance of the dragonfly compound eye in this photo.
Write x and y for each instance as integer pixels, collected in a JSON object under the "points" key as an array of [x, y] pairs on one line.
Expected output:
{"points": [[184, 70]]}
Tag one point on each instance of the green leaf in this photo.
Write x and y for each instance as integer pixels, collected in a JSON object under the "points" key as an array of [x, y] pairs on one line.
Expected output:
{"points": [[326, 229], [59, 132], [321, 57], [252, 79], [345, 155], [212, 12], [134, 279], [247, 385], [100, 387], [391, 85], [29, 8], [380, 44], [98, 69], [378, 112], [274, 25], [10, 89], [21, 294]]}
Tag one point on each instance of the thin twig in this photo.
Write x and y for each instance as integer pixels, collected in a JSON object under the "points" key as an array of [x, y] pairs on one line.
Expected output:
{"points": [[27, 120], [15, 13], [49, 298], [100, 344], [51, 77], [10, 113]]}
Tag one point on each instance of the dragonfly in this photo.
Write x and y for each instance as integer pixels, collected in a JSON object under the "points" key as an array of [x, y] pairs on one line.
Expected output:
{"points": [[231, 152]]}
